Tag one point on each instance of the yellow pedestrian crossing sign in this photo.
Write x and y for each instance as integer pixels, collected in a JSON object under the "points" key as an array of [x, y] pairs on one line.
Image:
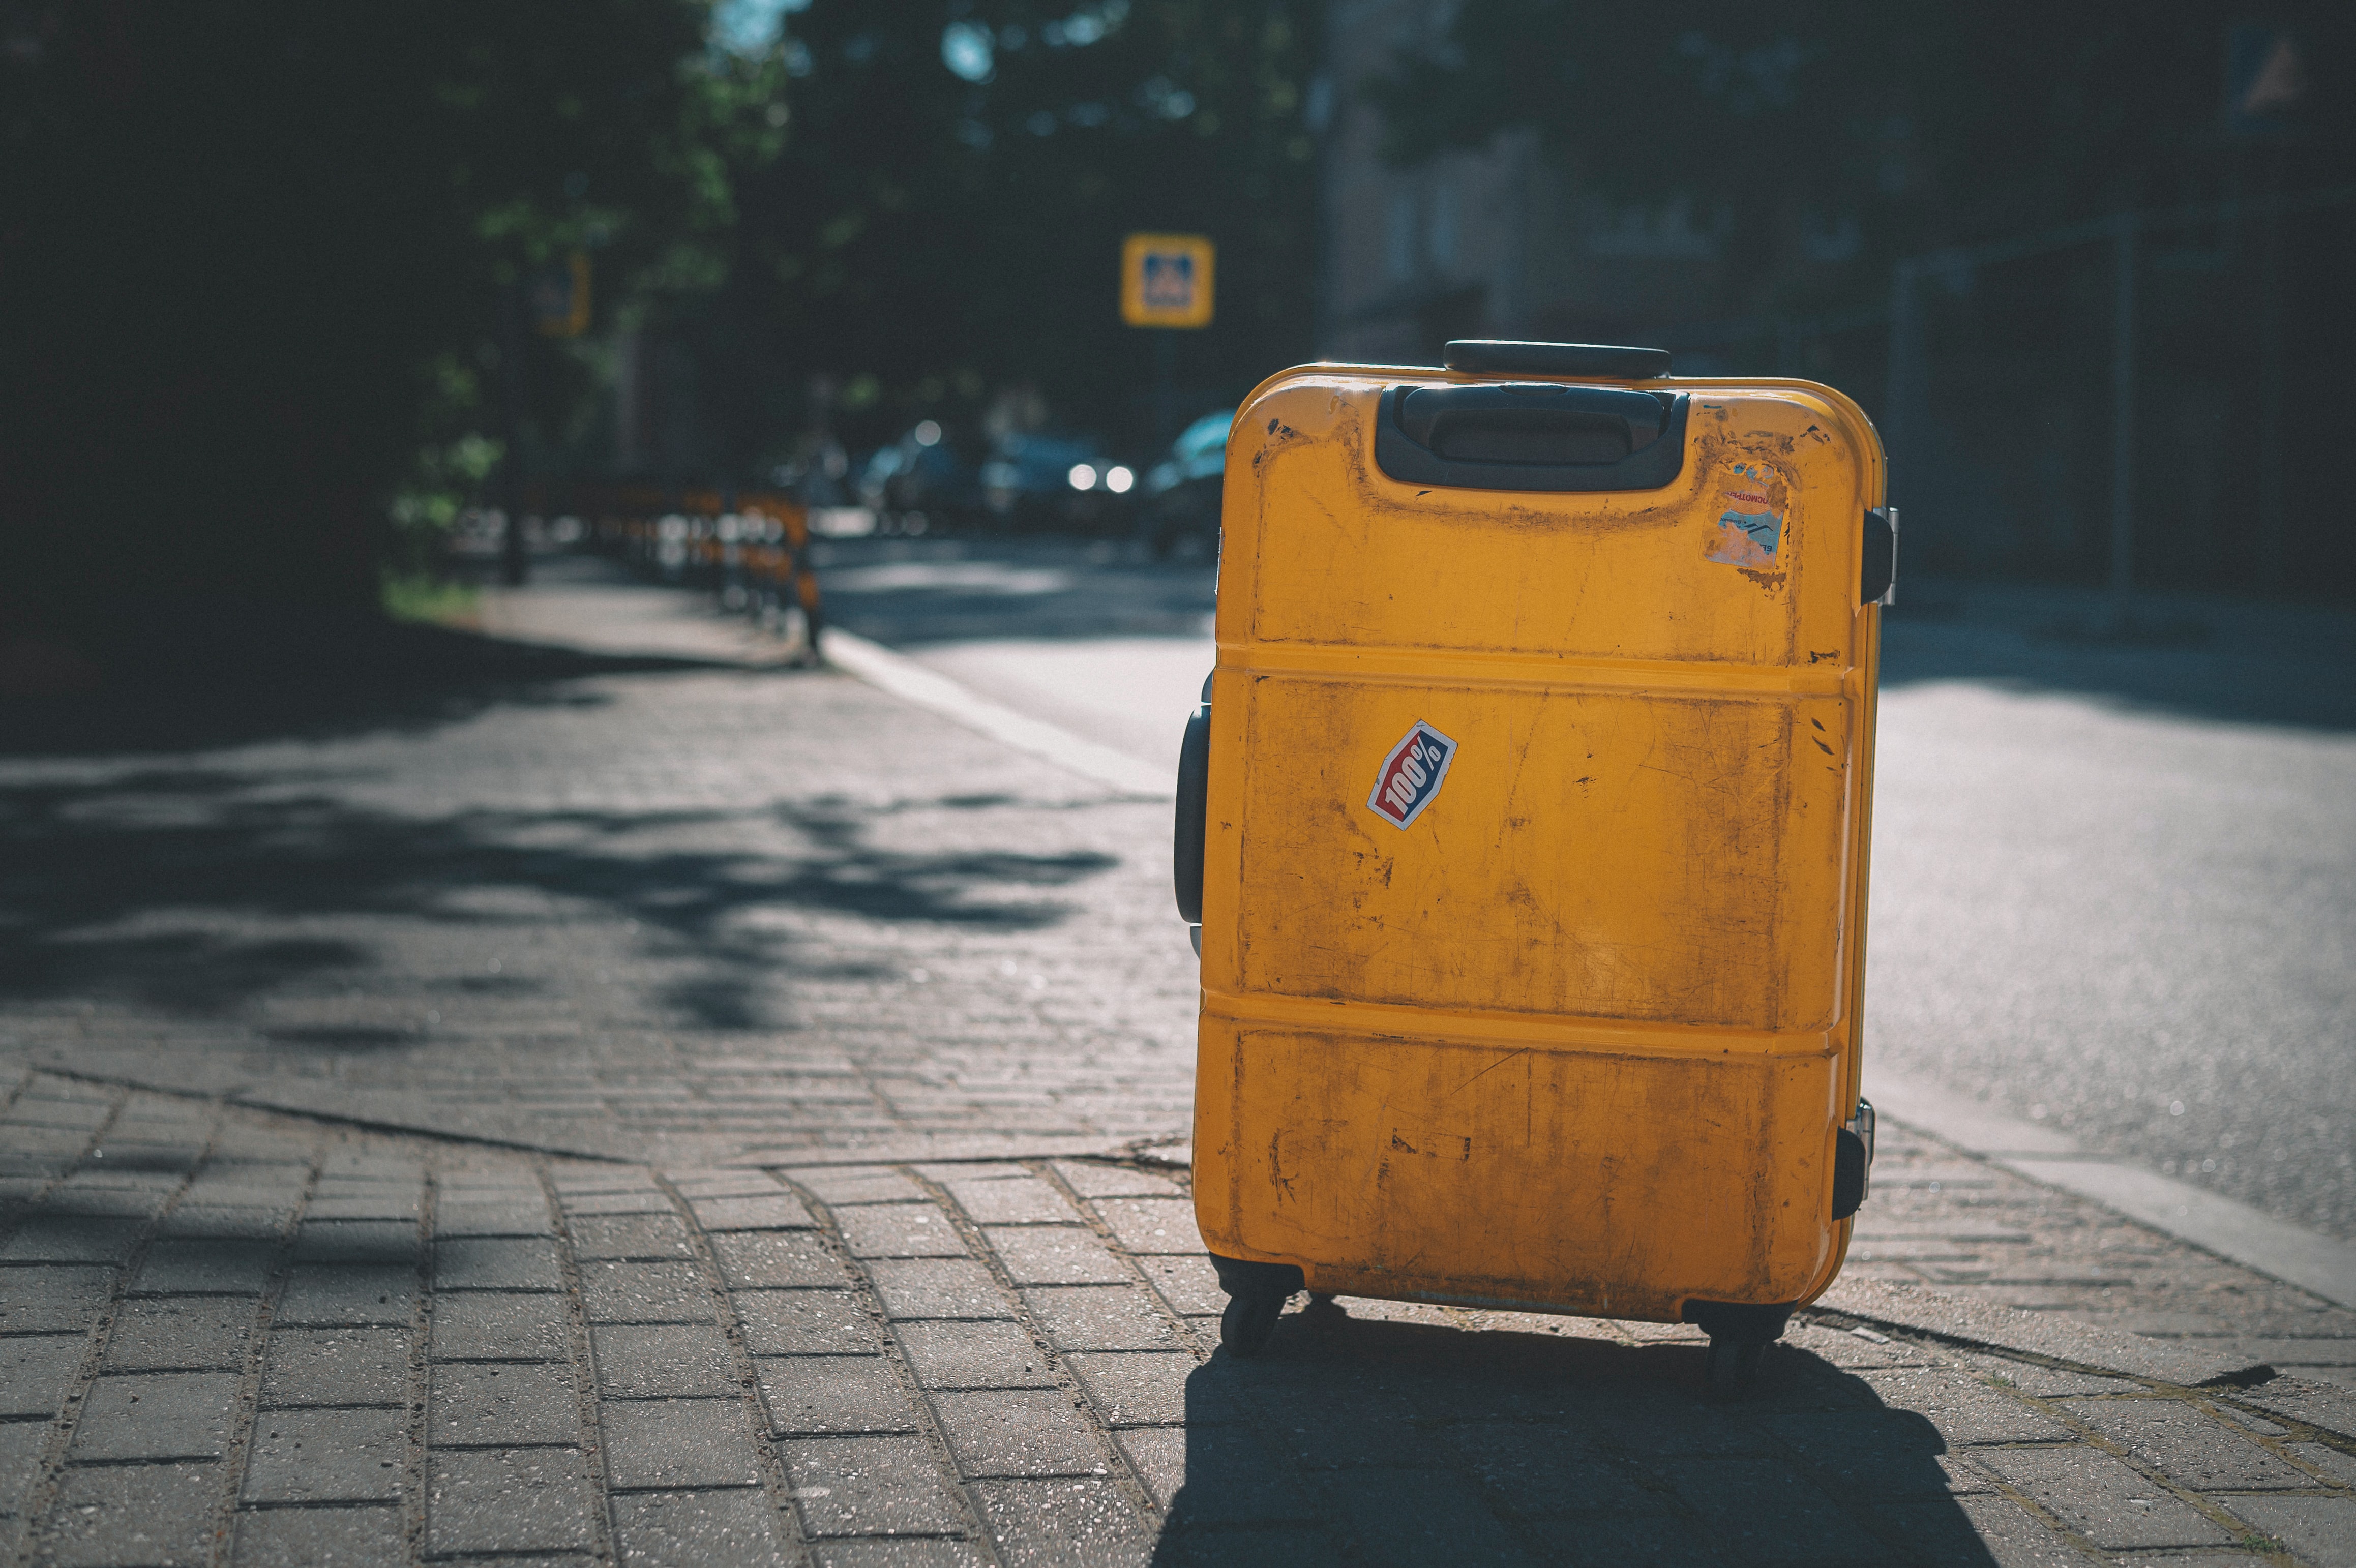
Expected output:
{"points": [[1165, 280]]}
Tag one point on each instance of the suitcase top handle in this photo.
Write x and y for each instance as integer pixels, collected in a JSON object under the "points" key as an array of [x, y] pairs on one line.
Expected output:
{"points": [[1531, 436], [1502, 357]]}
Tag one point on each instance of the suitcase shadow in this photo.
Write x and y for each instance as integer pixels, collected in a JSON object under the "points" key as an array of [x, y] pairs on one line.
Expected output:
{"points": [[1356, 1439]]}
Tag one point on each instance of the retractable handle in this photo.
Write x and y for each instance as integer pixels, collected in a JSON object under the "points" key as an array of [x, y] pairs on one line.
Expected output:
{"points": [[1506, 357]]}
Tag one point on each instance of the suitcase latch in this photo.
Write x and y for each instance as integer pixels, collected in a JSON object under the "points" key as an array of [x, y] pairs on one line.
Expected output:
{"points": [[1853, 1161]]}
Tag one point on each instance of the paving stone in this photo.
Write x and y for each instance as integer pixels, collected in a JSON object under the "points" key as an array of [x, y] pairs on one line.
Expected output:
{"points": [[326, 1457], [336, 1366], [678, 1528], [1763, 1511], [2339, 1466], [131, 1516], [807, 1322], [647, 1238], [1625, 1540], [899, 1553], [1146, 1225], [671, 1443], [21, 1445], [1544, 1469], [1650, 1422], [399, 1203], [649, 1200], [391, 1242], [1056, 1255], [1013, 1201], [187, 1267], [1964, 1409], [489, 1326], [72, 1239], [320, 1538], [1840, 1348], [2187, 1445], [938, 1288], [475, 1404], [1100, 1317], [766, 1211], [871, 1485], [53, 1301], [1092, 1180], [157, 1416], [2318, 1404], [831, 1394], [755, 1260], [334, 1296], [38, 1371], [1087, 1524], [2318, 1529], [224, 1224], [181, 1333], [497, 1262], [452, 1221], [664, 1360], [2042, 1382], [1214, 1476], [1189, 1285], [842, 1187], [1021, 1432], [1143, 1388], [1977, 1527], [647, 1292], [2102, 1499], [997, 1354], [506, 1500], [1875, 1452], [899, 1230]]}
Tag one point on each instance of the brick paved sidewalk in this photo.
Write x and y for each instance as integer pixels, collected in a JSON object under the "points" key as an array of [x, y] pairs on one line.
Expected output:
{"points": [[755, 1068], [234, 1338]]}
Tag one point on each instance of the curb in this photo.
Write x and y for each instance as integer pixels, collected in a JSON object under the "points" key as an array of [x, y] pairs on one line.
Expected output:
{"points": [[910, 681], [2324, 1266]]}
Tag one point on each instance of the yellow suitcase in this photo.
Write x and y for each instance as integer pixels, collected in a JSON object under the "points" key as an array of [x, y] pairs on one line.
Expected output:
{"points": [[1524, 822]]}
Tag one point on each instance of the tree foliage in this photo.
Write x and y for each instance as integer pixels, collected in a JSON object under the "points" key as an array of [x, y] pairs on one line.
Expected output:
{"points": [[925, 236], [1926, 124], [257, 255]]}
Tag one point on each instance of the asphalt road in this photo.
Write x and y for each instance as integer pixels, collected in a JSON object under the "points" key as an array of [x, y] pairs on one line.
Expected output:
{"points": [[2114, 882]]}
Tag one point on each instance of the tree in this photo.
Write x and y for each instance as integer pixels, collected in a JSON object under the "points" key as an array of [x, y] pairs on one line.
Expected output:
{"points": [[255, 256], [1926, 124]]}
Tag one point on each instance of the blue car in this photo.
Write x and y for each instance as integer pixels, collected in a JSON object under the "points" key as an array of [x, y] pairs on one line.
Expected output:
{"points": [[1179, 509]]}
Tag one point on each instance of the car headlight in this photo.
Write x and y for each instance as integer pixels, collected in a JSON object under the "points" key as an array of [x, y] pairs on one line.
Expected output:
{"points": [[1083, 476], [1117, 479]]}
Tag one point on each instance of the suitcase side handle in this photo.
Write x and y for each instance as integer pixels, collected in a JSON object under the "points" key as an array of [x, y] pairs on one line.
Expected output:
{"points": [[1504, 356], [1193, 826], [1545, 436]]}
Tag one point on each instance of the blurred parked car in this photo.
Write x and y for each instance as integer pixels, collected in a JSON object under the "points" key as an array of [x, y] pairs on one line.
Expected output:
{"points": [[921, 473], [1055, 482], [1178, 509]]}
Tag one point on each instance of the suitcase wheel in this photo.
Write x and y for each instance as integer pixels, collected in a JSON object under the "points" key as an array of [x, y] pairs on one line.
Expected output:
{"points": [[1730, 1367], [1257, 1293], [1245, 1326]]}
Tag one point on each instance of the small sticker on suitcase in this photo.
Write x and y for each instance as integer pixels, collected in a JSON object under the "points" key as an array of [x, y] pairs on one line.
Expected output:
{"points": [[1410, 776], [1751, 527]]}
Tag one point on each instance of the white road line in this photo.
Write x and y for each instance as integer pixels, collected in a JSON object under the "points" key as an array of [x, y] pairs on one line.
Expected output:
{"points": [[2230, 1228], [905, 679]]}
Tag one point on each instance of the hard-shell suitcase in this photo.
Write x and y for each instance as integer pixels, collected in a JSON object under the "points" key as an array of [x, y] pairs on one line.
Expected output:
{"points": [[1526, 823]]}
